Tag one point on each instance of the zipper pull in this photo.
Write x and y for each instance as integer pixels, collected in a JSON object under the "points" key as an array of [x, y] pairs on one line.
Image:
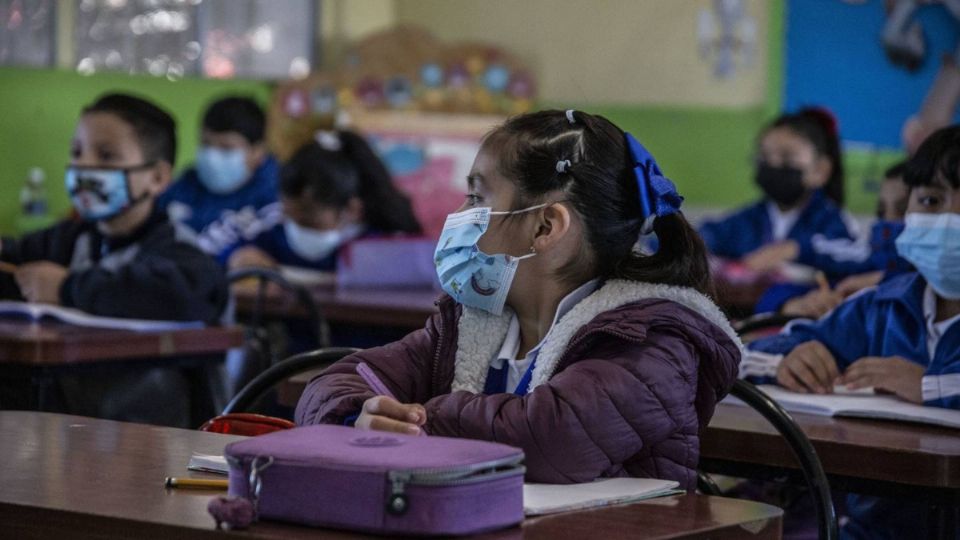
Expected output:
{"points": [[397, 502]]}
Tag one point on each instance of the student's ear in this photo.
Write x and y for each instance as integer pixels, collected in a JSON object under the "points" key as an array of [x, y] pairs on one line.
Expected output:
{"points": [[161, 175], [553, 224], [353, 212], [256, 155], [822, 168]]}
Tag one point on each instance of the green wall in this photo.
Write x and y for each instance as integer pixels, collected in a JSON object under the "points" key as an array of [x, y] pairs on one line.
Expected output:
{"points": [[40, 108]]}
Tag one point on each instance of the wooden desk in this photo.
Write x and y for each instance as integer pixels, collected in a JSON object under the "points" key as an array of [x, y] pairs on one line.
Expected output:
{"points": [[56, 344], [867, 456], [394, 308], [33, 354], [68, 476]]}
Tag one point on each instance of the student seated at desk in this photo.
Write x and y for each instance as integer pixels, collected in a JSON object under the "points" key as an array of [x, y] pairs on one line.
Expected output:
{"points": [[868, 261], [230, 193], [901, 337], [122, 257], [558, 336], [332, 191], [800, 218]]}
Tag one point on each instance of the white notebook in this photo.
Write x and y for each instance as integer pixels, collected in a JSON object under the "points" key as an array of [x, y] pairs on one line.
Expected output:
{"points": [[865, 405], [208, 463], [550, 498], [76, 317]]}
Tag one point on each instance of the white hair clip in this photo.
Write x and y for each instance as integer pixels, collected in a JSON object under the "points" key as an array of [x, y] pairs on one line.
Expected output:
{"points": [[562, 165], [328, 140], [570, 117]]}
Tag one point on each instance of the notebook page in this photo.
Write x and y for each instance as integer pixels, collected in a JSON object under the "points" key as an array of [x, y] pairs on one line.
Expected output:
{"points": [[550, 498]]}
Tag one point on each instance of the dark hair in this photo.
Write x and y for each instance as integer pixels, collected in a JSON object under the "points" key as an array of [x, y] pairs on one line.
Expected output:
{"points": [[239, 114], [896, 170], [334, 176], [601, 187], [819, 127], [155, 128], [937, 157]]}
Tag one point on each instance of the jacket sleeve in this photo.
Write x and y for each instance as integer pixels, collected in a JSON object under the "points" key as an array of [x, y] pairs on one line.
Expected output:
{"points": [[942, 388], [54, 244], [721, 236], [178, 282], [836, 249], [405, 367], [587, 419], [843, 331]]}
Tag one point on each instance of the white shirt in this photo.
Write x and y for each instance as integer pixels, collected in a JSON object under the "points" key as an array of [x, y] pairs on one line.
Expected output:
{"points": [[935, 330], [511, 343], [782, 222]]}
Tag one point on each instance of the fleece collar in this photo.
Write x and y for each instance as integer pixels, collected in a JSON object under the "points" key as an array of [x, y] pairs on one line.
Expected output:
{"points": [[480, 334]]}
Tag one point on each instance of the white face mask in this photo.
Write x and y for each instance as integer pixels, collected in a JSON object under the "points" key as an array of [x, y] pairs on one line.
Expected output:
{"points": [[313, 244]]}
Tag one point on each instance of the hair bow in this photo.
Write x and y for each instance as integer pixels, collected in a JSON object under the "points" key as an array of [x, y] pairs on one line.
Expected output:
{"points": [[658, 195]]}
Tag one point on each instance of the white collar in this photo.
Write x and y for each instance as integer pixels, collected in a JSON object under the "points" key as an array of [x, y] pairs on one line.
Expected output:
{"points": [[781, 222], [511, 343], [935, 330]]}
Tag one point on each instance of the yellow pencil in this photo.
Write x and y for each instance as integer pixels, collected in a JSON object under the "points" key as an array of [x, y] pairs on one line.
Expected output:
{"points": [[822, 282], [195, 483], [8, 268]]}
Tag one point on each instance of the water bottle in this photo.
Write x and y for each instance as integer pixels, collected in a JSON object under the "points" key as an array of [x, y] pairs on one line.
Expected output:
{"points": [[34, 210]]}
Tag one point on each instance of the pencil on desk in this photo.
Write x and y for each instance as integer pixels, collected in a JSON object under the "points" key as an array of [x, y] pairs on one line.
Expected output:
{"points": [[195, 483], [8, 268], [822, 281]]}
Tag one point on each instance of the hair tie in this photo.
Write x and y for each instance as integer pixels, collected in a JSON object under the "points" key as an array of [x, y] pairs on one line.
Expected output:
{"points": [[328, 140], [562, 165], [570, 117], [658, 195]]}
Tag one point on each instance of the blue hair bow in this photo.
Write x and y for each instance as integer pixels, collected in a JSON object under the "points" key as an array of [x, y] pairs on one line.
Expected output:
{"points": [[658, 195]]}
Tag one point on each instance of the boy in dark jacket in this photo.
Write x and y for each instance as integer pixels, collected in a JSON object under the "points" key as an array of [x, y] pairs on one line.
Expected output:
{"points": [[121, 258]]}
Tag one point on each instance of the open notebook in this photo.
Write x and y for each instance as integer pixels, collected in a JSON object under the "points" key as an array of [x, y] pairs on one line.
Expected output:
{"points": [[538, 499], [76, 317], [859, 405]]}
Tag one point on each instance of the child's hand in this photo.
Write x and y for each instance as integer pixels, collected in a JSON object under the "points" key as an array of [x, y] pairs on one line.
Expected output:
{"points": [[810, 367], [250, 257], [892, 374], [814, 304], [40, 281], [854, 283], [383, 413], [772, 256]]}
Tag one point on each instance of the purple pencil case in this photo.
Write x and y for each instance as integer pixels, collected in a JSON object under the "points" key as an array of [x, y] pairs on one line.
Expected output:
{"points": [[378, 482]]}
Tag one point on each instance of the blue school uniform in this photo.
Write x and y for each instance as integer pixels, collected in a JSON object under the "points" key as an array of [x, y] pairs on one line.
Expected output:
{"points": [[888, 320], [819, 223], [849, 257], [222, 221]]}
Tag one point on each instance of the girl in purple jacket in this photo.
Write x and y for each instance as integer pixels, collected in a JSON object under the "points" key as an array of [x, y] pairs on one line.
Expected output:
{"points": [[557, 335]]}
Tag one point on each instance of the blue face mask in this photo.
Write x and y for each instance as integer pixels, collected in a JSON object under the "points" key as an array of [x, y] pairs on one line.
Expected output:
{"points": [[932, 243], [221, 171], [467, 274], [100, 193]]}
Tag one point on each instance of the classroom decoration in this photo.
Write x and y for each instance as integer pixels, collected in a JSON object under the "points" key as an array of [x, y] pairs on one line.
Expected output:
{"points": [[423, 104], [727, 37]]}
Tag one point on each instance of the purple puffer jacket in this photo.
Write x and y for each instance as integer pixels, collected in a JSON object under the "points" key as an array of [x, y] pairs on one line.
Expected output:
{"points": [[623, 386]]}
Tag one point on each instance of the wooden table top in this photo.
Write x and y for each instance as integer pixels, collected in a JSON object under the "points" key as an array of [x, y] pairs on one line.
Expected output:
{"points": [[394, 308], [886, 451], [51, 344], [86, 478]]}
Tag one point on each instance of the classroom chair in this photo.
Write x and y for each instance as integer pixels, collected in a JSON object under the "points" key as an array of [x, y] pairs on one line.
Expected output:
{"points": [[260, 352], [813, 473]]}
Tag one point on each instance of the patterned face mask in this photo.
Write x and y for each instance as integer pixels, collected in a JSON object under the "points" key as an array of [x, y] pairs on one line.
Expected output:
{"points": [[468, 275], [100, 193]]}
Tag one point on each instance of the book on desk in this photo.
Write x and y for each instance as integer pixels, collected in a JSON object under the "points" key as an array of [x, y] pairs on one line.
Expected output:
{"points": [[40, 312], [858, 405]]}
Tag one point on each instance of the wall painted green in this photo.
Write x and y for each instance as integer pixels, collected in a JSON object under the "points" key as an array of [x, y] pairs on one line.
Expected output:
{"points": [[40, 109]]}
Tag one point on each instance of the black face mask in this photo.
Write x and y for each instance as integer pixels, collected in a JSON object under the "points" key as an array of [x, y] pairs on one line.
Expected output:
{"points": [[783, 185]]}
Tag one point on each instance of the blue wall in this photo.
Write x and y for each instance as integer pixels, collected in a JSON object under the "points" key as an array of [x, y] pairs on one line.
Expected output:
{"points": [[834, 58]]}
